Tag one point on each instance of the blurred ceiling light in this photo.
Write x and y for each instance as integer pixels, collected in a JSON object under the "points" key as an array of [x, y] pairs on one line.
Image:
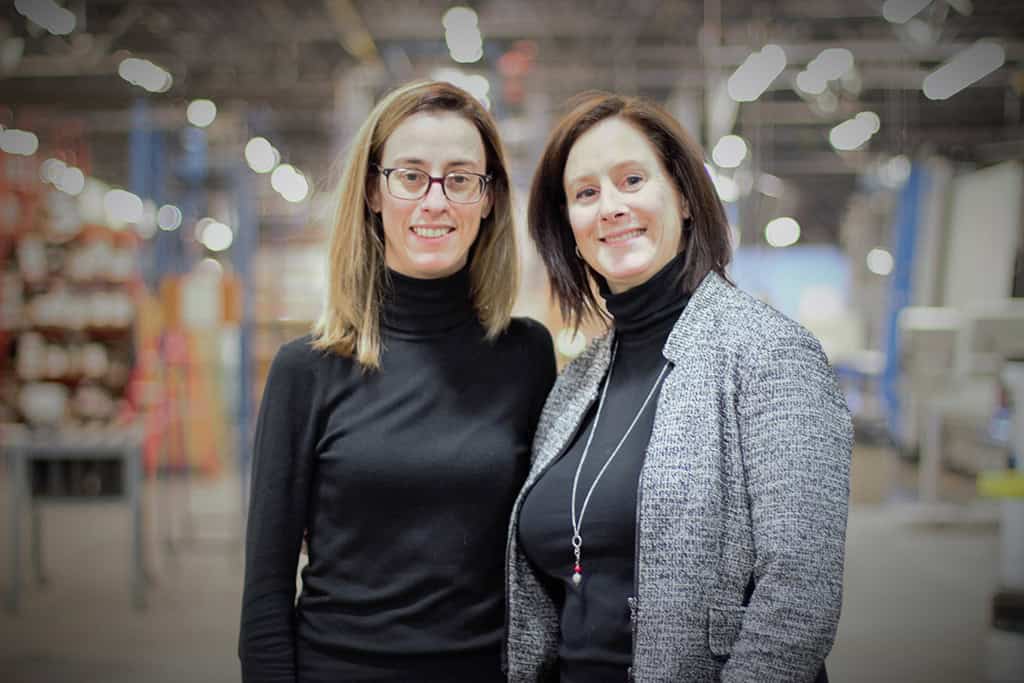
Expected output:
{"points": [[811, 83], [91, 200], [145, 74], [168, 217], [770, 185], [831, 63], [71, 181], [782, 232], [261, 155], [853, 133], [122, 206], [462, 35], [895, 172], [730, 151], [756, 73], [20, 142], [727, 188], [465, 47], [201, 113], [200, 228], [478, 86], [468, 55], [289, 183], [51, 170], [475, 84], [570, 343], [902, 11], [216, 236], [210, 267], [965, 68], [146, 227], [47, 14], [459, 17], [870, 121], [880, 261]]}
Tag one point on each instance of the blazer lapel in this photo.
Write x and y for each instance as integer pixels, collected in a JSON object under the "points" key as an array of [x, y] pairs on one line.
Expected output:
{"points": [[696, 325], [567, 421]]}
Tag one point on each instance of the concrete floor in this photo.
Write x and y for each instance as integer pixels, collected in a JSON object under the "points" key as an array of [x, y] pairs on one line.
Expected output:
{"points": [[915, 609]]}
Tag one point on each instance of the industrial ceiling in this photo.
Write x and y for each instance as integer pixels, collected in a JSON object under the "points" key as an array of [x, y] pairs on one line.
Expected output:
{"points": [[303, 71]]}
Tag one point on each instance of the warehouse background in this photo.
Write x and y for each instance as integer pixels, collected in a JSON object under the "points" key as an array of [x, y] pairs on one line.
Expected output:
{"points": [[165, 173]]}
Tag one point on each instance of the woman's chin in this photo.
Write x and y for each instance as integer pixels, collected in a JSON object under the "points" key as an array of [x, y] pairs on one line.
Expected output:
{"points": [[428, 266], [629, 272]]}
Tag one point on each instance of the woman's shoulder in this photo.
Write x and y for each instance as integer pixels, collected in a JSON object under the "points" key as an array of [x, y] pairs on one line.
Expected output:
{"points": [[301, 355], [530, 333], [739, 313]]}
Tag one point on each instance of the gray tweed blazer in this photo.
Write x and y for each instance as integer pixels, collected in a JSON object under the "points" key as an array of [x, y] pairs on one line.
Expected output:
{"points": [[743, 501]]}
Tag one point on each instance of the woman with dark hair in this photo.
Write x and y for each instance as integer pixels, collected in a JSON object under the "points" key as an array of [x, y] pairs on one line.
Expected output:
{"points": [[684, 517], [395, 437]]}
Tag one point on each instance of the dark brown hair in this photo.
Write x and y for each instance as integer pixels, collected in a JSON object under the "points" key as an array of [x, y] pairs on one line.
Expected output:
{"points": [[705, 234]]}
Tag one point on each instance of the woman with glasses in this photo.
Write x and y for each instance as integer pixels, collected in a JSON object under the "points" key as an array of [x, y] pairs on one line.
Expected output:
{"points": [[396, 436], [685, 514]]}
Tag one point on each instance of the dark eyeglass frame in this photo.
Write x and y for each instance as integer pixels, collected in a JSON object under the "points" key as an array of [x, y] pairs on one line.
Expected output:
{"points": [[485, 180]]}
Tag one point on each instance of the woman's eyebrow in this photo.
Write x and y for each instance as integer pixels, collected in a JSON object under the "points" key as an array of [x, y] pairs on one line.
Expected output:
{"points": [[416, 161], [614, 168]]}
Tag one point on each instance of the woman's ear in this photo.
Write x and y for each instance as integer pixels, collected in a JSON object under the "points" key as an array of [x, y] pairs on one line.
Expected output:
{"points": [[488, 203], [373, 194], [684, 209]]}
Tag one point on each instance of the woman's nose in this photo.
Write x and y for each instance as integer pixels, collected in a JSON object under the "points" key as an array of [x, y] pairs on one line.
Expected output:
{"points": [[435, 199], [612, 206]]}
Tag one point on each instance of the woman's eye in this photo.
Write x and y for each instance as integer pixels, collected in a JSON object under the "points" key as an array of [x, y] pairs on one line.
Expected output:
{"points": [[457, 179], [586, 193], [633, 181], [412, 177]]}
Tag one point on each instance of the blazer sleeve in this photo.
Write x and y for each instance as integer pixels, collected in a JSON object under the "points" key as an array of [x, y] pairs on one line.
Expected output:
{"points": [[282, 472], [796, 439]]}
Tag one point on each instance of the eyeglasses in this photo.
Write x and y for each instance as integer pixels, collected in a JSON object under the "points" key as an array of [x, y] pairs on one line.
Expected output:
{"points": [[461, 187]]}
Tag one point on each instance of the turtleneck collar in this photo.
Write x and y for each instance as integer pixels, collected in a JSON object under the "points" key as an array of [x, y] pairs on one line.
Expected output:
{"points": [[415, 307], [645, 314]]}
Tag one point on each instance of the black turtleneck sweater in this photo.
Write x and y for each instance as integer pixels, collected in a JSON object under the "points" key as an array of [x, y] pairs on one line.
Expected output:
{"points": [[596, 639], [402, 480]]}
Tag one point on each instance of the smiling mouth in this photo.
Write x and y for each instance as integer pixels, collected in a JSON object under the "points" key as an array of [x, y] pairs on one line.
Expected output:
{"points": [[623, 236], [431, 232]]}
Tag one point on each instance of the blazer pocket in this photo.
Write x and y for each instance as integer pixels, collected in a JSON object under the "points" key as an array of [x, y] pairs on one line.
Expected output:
{"points": [[724, 624]]}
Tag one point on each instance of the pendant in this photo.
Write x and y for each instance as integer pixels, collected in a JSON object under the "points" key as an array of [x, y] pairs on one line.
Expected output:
{"points": [[577, 575]]}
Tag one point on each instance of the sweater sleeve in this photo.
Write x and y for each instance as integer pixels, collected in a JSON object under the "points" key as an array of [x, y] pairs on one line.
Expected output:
{"points": [[796, 439], [544, 369], [282, 470]]}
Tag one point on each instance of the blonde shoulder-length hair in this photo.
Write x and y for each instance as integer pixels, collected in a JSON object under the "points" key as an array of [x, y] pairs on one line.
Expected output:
{"points": [[350, 321]]}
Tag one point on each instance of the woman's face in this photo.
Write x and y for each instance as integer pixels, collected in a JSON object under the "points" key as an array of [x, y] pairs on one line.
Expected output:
{"points": [[625, 211], [430, 237]]}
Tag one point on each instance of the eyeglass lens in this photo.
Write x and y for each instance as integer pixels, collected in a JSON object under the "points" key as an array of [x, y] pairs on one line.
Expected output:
{"points": [[412, 184]]}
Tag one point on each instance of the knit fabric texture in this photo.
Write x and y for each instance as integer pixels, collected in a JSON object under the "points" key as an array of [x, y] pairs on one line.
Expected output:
{"points": [[745, 483]]}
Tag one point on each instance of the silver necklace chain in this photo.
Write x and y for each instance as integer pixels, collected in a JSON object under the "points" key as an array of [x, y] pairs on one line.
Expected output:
{"points": [[577, 538]]}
